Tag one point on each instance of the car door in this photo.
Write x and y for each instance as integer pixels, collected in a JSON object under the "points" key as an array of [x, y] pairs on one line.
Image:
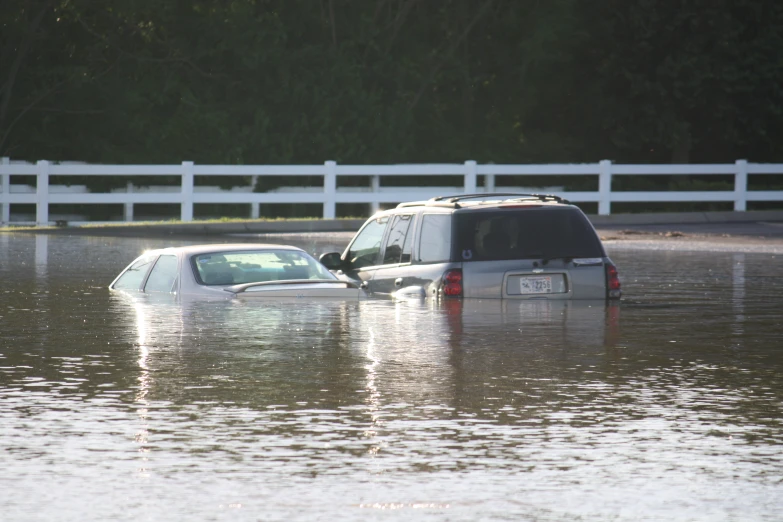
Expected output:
{"points": [[363, 255], [432, 254], [394, 267]]}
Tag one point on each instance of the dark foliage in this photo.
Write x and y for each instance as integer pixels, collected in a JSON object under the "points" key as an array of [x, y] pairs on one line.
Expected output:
{"points": [[391, 81]]}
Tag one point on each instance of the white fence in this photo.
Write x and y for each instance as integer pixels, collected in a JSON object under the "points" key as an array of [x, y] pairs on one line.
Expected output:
{"points": [[329, 195]]}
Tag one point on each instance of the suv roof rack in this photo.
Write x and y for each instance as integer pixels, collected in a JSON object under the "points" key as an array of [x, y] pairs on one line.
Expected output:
{"points": [[454, 201]]}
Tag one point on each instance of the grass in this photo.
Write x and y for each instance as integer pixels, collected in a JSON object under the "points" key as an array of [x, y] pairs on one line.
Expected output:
{"points": [[119, 224]]}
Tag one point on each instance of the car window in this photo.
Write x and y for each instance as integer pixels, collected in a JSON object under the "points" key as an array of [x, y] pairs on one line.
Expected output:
{"points": [[435, 242], [398, 244], [134, 275], [366, 247], [233, 268], [163, 275], [526, 234]]}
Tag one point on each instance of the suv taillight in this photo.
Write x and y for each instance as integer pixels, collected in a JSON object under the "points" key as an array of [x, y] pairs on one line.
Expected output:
{"points": [[613, 290], [452, 280]]}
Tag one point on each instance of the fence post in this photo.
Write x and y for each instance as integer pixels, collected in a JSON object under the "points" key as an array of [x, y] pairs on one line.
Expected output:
{"points": [[5, 185], [42, 194], [255, 208], [186, 208], [489, 182], [741, 186], [470, 177], [129, 205], [330, 189], [604, 187], [375, 188]]}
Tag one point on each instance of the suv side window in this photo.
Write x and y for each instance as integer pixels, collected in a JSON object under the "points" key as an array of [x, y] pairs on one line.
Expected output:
{"points": [[163, 274], [398, 245], [366, 247], [435, 241]]}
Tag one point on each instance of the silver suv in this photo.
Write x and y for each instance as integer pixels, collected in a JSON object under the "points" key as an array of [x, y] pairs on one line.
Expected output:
{"points": [[489, 246]]}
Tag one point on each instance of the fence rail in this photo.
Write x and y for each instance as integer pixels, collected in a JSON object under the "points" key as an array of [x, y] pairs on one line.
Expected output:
{"points": [[329, 195]]}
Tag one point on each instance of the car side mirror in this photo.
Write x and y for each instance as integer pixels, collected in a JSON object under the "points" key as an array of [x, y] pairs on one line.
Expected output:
{"points": [[332, 261]]}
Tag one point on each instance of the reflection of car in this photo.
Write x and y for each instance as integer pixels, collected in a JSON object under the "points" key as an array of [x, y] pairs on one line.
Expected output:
{"points": [[241, 270], [537, 323], [504, 246], [417, 351]]}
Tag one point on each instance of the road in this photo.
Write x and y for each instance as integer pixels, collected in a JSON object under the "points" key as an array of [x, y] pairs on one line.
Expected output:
{"points": [[760, 231], [752, 237]]}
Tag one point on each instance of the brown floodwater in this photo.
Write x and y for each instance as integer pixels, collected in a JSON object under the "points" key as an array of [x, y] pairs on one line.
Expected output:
{"points": [[666, 406]]}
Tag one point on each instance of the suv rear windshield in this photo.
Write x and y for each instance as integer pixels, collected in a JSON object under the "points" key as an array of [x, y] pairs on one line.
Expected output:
{"points": [[531, 233]]}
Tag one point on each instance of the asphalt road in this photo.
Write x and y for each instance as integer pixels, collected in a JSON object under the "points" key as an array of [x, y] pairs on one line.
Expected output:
{"points": [[763, 237], [760, 229]]}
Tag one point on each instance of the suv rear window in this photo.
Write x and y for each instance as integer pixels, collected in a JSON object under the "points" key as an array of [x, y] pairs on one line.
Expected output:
{"points": [[531, 233]]}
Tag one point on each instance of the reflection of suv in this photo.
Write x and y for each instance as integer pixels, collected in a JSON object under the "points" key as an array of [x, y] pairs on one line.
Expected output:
{"points": [[503, 246]]}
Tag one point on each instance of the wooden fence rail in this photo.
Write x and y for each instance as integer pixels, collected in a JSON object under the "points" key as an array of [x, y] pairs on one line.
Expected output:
{"points": [[330, 194]]}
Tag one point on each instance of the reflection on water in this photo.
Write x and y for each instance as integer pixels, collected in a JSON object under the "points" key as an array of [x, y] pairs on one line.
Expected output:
{"points": [[41, 255], [738, 286], [667, 406]]}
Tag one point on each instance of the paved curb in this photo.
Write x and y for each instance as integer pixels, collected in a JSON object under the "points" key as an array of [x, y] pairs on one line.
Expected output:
{"points": [[200, 229], [679, 218], [252, 227], [352, 225]]}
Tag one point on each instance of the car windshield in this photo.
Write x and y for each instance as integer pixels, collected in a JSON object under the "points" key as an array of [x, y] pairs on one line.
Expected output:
{"points": [[233, 268], [530, 233]]}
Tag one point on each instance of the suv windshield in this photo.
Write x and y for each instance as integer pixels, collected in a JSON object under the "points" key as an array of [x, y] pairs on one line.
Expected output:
{"points": [[538, 232]]}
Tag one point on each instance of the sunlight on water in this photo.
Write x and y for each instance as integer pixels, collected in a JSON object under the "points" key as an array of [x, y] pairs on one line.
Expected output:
{"points": [[665, 407]]}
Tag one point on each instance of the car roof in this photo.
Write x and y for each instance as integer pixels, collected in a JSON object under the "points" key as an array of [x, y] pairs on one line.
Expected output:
{"points": [[489, 199], [222, 247]]}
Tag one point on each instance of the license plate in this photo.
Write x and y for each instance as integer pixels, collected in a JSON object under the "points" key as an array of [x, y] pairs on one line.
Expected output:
{"points": [[535, 285]]}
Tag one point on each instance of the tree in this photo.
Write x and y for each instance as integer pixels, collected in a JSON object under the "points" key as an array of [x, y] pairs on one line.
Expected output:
{"points": [[388, 81], [692, 80]]}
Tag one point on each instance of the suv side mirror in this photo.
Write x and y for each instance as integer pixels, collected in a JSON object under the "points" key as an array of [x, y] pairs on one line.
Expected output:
{"points": [[332, 261]]}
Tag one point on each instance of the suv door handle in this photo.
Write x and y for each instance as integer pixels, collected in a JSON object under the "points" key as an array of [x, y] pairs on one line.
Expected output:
{"points": [[398, 281]]}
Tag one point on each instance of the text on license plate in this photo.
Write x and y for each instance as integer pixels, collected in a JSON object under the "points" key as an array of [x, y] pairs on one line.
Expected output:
{"points": [[535, 285]]}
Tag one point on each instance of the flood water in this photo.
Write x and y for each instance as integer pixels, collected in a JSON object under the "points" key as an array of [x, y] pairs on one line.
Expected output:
{"points": [[665, 407]]}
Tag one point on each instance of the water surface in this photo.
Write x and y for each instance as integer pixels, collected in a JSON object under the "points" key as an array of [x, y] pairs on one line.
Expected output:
{"points": [[666, 407]]}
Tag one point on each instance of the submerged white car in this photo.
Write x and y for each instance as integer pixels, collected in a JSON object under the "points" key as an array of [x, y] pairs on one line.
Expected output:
{"points": [[233, 271]]}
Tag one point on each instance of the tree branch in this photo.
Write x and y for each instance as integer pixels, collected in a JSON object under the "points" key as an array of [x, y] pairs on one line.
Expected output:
{"points": [[375, 16], [136, 57], [398, 22], [449, 52], [8, 85], [334, 25], [40, 98], [26, 109], [67, 111]]}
